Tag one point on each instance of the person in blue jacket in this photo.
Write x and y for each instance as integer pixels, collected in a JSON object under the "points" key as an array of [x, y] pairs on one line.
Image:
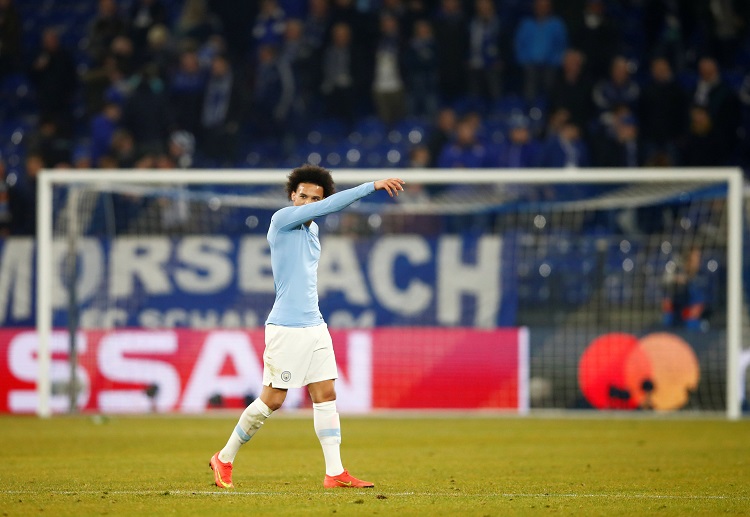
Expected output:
{"points": [[685, 303], [540, 42]]}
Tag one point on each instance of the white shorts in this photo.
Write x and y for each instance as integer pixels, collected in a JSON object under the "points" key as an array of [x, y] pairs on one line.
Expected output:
{"points": [[295, 357]]}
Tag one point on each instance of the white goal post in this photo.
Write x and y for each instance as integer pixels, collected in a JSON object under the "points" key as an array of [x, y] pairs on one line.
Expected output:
{"points": [[733, 178]]}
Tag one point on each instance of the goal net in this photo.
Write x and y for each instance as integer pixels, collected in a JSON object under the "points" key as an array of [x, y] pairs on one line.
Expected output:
{"points": [[474, 290]]}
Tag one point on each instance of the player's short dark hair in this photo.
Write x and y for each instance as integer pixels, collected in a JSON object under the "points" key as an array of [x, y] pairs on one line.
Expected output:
{"points": [[310, 174]]}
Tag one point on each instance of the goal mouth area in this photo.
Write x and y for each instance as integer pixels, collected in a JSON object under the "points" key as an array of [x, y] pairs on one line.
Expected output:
{"points": [[546, 222]]}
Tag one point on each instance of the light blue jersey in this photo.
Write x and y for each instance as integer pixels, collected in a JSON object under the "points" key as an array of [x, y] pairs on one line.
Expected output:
{"points": [[295, 252]]}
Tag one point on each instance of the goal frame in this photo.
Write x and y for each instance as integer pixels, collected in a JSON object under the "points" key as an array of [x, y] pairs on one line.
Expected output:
{"points": [[733, 177]]}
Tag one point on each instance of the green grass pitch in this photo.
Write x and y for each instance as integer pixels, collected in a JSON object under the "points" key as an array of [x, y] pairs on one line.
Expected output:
{"points": [[421, 465]]}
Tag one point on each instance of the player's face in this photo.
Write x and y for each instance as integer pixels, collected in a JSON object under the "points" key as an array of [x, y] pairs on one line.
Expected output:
{"points": [[307, 193]]}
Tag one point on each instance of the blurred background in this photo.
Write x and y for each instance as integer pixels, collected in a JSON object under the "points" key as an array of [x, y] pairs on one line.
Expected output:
{"points": [[368, 83], [591, 270]]}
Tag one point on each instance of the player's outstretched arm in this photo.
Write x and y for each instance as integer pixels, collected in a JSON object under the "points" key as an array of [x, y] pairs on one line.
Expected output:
{"points": [[391, 185]]}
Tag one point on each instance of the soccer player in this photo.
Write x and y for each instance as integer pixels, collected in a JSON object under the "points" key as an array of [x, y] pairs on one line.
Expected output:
{"points": [[299, 351]]}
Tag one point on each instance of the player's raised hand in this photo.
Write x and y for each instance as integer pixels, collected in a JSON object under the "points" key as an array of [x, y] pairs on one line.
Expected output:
{"points": [[391, 185]]}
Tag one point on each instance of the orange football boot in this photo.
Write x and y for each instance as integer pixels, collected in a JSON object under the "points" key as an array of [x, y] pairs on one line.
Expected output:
{"points": [[222, 472], [345, 480]]}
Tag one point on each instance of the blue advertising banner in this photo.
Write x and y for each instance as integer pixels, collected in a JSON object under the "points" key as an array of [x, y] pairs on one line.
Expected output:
{"points": [[221, 281]]}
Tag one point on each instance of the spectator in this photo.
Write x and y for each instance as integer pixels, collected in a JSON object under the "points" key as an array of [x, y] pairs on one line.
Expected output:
{"points": [[419, 157], [388, 85], [341, 75], [143, 15], [104, 28], [51, 143], [107, 162], [215, 45], [519, 150], [106, 83], [416, 10], [573, 90], [274, 92], [597, 37], [540, 42], [452, 40], [317, 24], [174, 210], [362, 24], [485, 62], [686, 297], [222, 112], [22, 196], [465, 151], [196, 23], [669, 28], [81, 157], [421, 71], [563, 146], [181, 149], [728, 21], [54, 75], [11, 38], [442, 133], [615, 140], [103, 127], [122, 151], [304, 61], [146, 114], [160, 51], [394, 8], [121, 49], [663, 112], [722, 103], [186, 91], [269, 25], [619, 89], [703, 145]]}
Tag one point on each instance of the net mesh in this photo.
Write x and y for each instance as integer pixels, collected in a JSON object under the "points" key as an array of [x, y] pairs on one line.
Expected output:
{"points": [[622, 286]]}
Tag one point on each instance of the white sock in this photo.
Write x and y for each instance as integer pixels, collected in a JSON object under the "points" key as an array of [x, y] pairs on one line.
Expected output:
{"points": [[328, 429], [250, 421]]}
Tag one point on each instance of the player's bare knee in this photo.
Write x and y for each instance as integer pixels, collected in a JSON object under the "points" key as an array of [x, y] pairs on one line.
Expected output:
{"points": [[322, 392], [273, 397], [275, 404]]}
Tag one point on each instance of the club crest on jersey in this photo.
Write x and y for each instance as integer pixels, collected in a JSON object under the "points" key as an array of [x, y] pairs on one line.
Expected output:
{"points": [[286, 376]]}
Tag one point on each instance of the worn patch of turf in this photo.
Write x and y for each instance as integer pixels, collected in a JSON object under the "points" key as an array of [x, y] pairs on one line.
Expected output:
{"points": [[444, 465]]}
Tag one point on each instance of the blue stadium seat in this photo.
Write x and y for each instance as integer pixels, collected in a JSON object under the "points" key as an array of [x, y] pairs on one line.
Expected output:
{"points": [[372, 130], [351, 154], [326, 130], [508, 104]]}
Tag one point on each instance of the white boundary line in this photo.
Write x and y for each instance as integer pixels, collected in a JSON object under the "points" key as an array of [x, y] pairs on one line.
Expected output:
{"points": [[239, 493]]}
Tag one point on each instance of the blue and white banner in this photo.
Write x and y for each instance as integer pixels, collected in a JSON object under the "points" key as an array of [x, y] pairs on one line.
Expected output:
{"points": [[221, 281]]}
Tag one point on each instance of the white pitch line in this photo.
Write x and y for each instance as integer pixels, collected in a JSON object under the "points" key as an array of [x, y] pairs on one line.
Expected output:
{"points": [[239, 493]]}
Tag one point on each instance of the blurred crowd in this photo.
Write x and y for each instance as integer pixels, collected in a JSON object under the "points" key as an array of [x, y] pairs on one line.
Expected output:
{"points": [[463, 83]]}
